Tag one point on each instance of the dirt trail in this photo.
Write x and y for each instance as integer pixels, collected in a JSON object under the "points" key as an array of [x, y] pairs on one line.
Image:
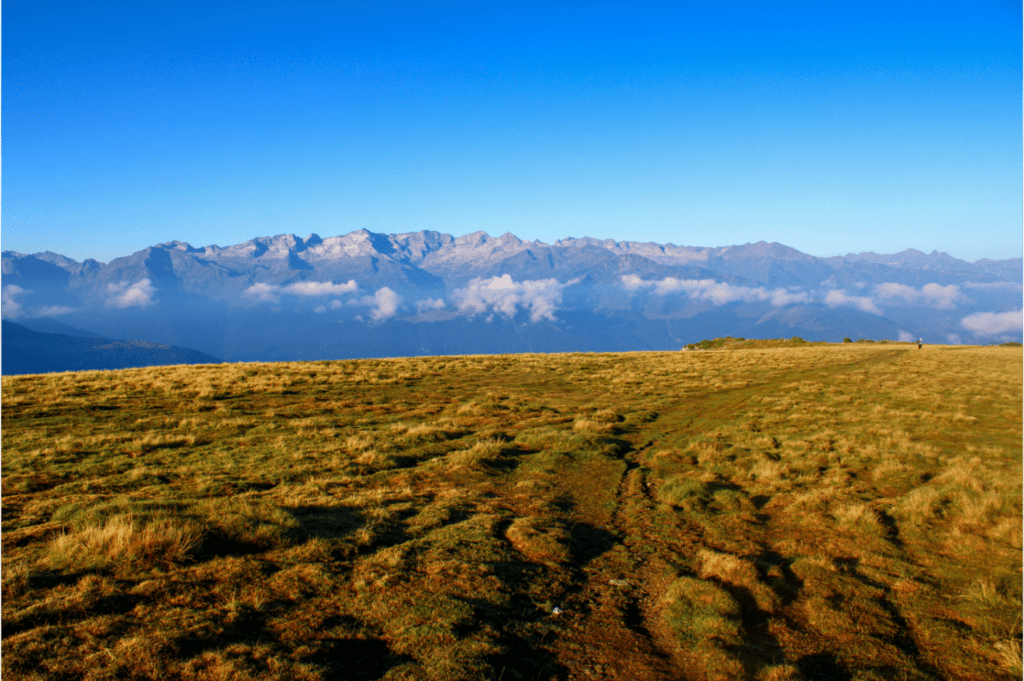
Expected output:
{"points": [[613, 627]]}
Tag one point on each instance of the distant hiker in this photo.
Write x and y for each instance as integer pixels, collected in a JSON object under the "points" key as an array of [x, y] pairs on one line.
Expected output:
{"points": [[919, 341]]}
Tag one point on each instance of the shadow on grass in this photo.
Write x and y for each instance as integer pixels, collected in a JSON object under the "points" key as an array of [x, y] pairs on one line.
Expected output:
{"points": [[358, 659], [314, 522], [217, 544], [823, 667], [890, 528], [587, 542], [525, 660], [902, 637], [755, 631], [115, 604], [788, 586], [521, 629], [326, 522], [350, 657]]}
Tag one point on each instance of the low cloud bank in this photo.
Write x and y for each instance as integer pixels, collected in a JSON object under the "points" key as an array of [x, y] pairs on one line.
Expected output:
{"points": [[718, 293], [12, 307], [54, 310], [994, 285], [994, 323], [504, 296], [542, 298], [882, 295], [9, 301], [271, 293], [429, 304], [837, 297], [123, 295], [933, 295], [384, 303], [334, 305]]}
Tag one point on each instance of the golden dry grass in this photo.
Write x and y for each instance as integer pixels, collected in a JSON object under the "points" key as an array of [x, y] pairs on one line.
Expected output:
{"points": [[801, 512]]}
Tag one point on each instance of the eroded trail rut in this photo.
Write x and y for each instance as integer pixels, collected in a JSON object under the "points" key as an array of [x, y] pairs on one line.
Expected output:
{"points": [[613, 628], [614, 620]]}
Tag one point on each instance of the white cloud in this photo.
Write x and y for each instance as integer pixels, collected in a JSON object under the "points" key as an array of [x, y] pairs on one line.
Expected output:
{"points": [[429, 304], [309, 289], [139, 294], [942, 297], [994, 323], [716, 292], [271, 293], [837, 297], [387, 302], [893, 292], [265, 292], [781, 297], [907, 337], [503, 295], [631, 282], [333, 305], [9, 303], [54, 310], [694, 287], [994, 285], [935, 295]]}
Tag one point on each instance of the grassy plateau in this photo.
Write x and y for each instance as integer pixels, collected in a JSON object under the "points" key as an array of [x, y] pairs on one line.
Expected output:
{"points": [[764, 510]]}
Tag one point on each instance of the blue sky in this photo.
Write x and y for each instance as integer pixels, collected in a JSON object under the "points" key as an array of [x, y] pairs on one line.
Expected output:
{"points": [[829, 127]]}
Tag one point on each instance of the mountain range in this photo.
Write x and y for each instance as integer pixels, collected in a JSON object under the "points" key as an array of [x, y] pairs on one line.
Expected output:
{"points": [[366, 294]]}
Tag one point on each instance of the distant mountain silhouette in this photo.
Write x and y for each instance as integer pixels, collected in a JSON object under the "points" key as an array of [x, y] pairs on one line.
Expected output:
{"points": [[365, 294], [31, 352], [51, 325]]}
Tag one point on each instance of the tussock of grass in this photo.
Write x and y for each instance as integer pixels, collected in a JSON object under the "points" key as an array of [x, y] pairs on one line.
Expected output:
{"points": [[782, 672], [539, 540], [736, 572], [1007, 654], [859, 516], [703, 616], [685, 492], [123, 540], [482, 454], [592, 426]]}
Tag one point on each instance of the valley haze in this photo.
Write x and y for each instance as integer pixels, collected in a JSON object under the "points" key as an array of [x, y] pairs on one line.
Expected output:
{"points": [[366, 294]]}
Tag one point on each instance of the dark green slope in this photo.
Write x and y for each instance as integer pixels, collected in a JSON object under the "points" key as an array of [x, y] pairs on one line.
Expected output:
{"points": [[30, 352]]}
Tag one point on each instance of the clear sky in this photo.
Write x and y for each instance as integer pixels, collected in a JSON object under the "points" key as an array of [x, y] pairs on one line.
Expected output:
{"points": [[832, 127]]}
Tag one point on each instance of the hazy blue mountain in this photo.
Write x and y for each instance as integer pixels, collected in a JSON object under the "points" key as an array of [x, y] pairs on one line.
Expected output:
{"points": [[366, 294], [51, 325], [913, 259], [30, 352]]}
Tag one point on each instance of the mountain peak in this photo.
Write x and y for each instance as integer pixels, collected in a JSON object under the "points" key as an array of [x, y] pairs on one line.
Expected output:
{"points": [[179, 246]]}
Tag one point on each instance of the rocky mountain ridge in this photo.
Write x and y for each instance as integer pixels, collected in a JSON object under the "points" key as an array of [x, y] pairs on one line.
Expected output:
{"points": [[443, 255], [365, 292]]}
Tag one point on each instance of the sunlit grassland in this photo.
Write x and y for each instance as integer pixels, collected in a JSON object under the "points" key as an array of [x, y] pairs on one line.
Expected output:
{"points": [[845, 511]]}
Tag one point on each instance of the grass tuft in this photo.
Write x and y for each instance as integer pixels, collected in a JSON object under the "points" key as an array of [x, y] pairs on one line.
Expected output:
{"points": [[124, 540]]}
